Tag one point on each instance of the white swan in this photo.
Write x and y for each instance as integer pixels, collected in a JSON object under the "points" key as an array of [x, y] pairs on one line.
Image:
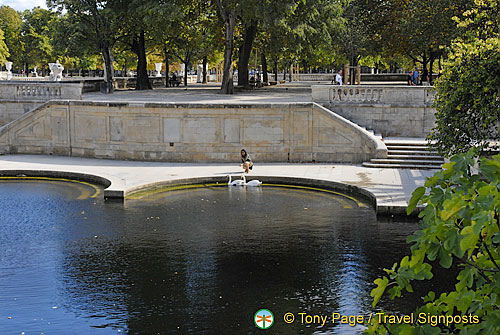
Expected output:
{"points": [[238, 182], [252, 183]]}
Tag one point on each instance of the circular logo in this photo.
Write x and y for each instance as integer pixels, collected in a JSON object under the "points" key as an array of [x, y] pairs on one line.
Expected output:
{"points": [[263, 319]]}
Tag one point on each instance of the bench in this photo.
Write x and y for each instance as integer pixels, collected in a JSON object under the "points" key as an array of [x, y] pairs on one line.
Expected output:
{"points": [[173, 83]]}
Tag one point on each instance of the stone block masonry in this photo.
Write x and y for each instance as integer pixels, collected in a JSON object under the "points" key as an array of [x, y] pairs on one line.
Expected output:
{"points": [[389, 110], [19, 97], [294, 132]]}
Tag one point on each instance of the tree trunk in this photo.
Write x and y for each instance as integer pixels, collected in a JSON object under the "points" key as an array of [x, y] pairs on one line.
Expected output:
{"points": [[108, 67], [431, 65], [204, 70], [167, 65], [425, 60], [265, 79], [186, 73], [229, 18], [276, 70], [138, 46], [244, 54], [284, 71]]}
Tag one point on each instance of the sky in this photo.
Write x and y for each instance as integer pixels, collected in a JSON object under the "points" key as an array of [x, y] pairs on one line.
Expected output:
{"points": [[21, 5]]}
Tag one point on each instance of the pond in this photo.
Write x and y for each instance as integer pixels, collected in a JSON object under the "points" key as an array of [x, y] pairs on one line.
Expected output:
{"points": [[199, 261]]}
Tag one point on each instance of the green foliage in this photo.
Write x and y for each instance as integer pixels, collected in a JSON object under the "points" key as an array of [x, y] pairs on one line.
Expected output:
{"points": [[38, 32], [468, 93], [4, 51], [11, 23], [459, 226]]}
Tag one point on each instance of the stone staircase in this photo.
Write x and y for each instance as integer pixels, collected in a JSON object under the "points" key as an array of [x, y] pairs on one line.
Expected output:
{"points": [[408, 153]]}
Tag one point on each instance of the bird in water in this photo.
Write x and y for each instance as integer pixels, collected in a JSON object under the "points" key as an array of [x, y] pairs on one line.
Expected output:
{"points": [[251, 183], [237, 182]]}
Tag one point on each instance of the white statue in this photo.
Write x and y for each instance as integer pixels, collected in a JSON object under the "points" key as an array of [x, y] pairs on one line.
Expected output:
{"points": [[158, 69], [35, 74], [199, 72], [56, 70], [8, 66]]}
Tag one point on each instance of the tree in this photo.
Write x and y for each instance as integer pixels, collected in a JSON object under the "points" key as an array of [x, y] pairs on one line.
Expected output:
{"points": [[11, 23], [4, 51], [37, 33], [468, 93], [227, 12], [164, 17], [193, 36], [71, 45], [132, 30], [97, 16], [460, 225]]}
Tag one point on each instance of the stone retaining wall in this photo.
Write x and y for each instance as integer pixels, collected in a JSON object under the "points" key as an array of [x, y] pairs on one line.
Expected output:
{"points": [[19, 97], [389, 110], [299, 132]]}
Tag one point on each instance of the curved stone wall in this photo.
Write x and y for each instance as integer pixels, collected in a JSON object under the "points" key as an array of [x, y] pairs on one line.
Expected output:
{"points": [[295, 132]]}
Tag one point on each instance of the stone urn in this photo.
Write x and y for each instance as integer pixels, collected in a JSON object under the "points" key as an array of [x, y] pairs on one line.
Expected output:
{"points": [[8, 66], [158, 69]]}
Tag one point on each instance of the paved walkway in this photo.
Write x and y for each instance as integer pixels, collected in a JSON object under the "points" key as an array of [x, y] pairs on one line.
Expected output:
{"points": [[392, 187], [208, 93]]}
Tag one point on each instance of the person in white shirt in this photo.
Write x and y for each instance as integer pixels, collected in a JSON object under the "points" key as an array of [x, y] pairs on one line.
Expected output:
{"points": [[338, 78]]}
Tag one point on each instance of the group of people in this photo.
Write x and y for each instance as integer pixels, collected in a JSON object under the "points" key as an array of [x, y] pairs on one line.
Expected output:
{"points": [[413, 79]]}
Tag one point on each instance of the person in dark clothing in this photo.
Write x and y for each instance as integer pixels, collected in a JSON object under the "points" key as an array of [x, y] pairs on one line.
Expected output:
{"points": [[409, 78], [246, 161]]}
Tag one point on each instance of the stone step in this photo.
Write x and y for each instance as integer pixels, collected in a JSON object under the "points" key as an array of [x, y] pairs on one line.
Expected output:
{"points": [[404, 161], [407, 143], [415, 157], [401, 166], [414, 153], [408, 147]]}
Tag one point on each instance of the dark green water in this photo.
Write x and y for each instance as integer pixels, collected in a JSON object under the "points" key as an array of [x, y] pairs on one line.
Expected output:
{"points": [[187, 262]]}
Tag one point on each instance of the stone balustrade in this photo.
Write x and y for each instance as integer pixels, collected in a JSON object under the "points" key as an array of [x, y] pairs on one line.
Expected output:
{"points": [[369, 94], [38, 91], [389, 110]]}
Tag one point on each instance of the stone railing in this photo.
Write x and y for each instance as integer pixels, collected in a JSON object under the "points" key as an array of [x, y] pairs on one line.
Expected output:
{"points": [[27, 91], [389, 110], [316, 76], [373, 94]]}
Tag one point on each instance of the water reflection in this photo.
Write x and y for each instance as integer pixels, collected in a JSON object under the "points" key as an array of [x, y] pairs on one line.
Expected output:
{"points": [[187, 262]]}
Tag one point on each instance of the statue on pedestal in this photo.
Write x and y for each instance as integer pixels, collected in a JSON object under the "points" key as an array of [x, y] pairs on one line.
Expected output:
{"points": [[56, 70]]}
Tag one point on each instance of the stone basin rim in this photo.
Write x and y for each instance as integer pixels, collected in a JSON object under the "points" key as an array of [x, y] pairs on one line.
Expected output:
{"points": [[121, 193], [77, 176], [350, 190]]}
